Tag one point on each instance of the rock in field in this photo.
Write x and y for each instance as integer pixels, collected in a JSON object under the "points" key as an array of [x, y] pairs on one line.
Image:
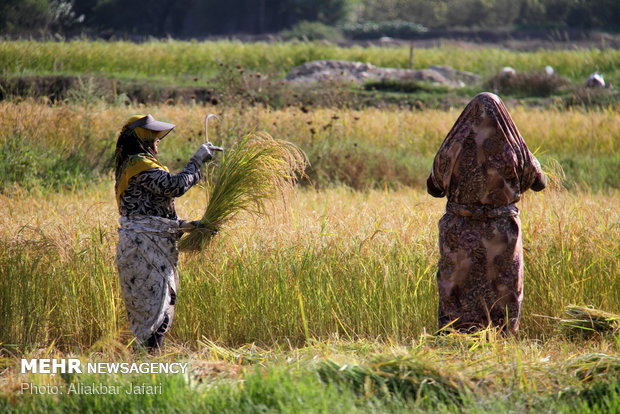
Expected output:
{"points": [[359, 72]]}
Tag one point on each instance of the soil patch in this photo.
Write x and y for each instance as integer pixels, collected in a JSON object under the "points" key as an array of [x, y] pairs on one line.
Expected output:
{"points": [[60, 87]]}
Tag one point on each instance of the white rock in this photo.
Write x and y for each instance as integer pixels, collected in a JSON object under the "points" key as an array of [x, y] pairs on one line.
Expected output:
{"points": [[595, 80], [508, 71]]}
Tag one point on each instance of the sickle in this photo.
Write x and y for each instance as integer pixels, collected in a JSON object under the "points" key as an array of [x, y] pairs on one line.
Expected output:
{"points": [[207, 125]]}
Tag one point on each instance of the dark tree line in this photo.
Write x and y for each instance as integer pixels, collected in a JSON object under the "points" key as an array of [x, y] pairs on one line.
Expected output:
{"points": [[572, 14], [195, 18], [183, 18]]}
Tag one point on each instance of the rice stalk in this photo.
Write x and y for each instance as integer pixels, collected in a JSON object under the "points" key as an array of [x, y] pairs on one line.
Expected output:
{"points": [[592, 365], [404, 377], [259, 169], [587, 320], [556, 177]]}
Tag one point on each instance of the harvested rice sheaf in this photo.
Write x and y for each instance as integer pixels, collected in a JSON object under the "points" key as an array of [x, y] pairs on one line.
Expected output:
{"points": [[586, 320], [594, 365], [404, 377], [257, 170]]}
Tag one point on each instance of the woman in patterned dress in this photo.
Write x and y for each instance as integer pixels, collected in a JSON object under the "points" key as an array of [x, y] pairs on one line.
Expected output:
{"points": [[146, 255], [482, 167]]}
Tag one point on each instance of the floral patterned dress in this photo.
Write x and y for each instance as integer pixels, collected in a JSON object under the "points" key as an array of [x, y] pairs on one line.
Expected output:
{"points": [[146, 255], [482, 167]]}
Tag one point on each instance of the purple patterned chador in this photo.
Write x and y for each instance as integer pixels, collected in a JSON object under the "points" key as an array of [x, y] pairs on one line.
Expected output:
{"points": [[482, 167]]}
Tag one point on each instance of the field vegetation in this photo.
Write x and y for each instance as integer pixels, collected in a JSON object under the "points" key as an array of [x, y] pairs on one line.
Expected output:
{"points": [[362, 149], [342, 275], [328, 303], [185, 59], [232, 71], [356, 264]]}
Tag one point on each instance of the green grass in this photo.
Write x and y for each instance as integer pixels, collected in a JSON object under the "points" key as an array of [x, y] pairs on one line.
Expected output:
{"points": [[24, 163], [180, 60], [240, 74], [282, 392], [342, 377]]}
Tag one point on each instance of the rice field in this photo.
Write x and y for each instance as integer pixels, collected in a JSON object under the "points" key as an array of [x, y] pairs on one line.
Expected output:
{"points": [[354, 264], [328, 302], [337, 260], [338, 277]]}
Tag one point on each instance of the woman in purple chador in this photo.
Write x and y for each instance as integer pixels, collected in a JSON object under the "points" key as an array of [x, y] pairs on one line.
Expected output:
{"points": [[482, 167]]}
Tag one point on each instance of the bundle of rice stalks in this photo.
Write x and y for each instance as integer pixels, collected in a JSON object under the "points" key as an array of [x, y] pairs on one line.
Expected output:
{"points": [[403, 377], [586, 320], [594, 365], [249, 175]]}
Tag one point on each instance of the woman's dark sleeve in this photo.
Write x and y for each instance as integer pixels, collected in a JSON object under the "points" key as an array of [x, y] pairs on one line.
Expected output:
{"points": [[433, 189], [540, 182], [537, 177], [170, 185]]}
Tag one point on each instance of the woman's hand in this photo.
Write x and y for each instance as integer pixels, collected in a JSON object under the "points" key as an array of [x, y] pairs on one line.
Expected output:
{"points": [[187, 226], [205, 152]]}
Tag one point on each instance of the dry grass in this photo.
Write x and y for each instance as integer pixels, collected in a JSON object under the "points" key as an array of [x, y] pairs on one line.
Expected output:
{"points": [[362, 149], [548, 130]]}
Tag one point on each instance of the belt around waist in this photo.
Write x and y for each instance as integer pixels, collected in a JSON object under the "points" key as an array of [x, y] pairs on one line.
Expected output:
{"points": [[149, 224], [481, 212]]}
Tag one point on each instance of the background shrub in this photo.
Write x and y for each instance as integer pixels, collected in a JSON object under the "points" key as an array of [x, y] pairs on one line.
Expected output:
{"points": [[312, 31], [393, 28], [527, 84]]}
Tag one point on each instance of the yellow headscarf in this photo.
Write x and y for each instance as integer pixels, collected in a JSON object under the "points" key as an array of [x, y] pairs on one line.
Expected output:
{"points": [[136, 164]]}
